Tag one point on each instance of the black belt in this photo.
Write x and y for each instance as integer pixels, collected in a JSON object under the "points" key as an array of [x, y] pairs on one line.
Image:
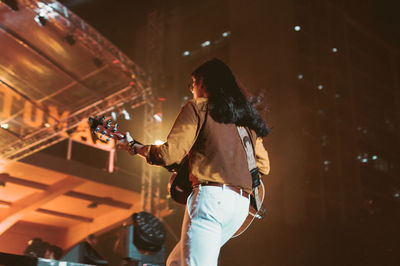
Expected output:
{"points": [[238, 190]]}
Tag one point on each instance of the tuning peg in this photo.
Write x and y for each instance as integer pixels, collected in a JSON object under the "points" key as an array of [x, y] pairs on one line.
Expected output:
{"points": [[111, 135], [115, 129], [91, 120], [102, 119], [97, 129], [108, 125], [104, 132]]}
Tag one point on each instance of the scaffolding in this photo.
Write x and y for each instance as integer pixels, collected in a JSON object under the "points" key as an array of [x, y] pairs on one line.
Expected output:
{"points": [[125, 83], [152, 127]]}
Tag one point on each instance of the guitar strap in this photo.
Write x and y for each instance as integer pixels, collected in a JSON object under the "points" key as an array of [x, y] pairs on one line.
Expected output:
{"points": [[251, 162]]}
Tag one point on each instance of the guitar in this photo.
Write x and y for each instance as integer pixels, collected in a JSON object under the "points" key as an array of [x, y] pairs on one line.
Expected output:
{"points": [[179, 186]]}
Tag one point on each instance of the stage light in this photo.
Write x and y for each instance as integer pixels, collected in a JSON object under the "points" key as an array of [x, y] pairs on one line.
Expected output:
{"points": [[297, 28], [205, 44], [186, 53], [4, 126], [158, 117], [126, 114], [300, 76], [326, 162], [226, 34], [36, 248], [334, 50], [320, 87], [374, 157], [114, 115], [396, 195], [364, 160], [149, 233], [158, 142]]}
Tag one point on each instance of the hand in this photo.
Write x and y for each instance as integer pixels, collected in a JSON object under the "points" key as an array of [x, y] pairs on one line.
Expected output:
{"points": [[126, 144]]}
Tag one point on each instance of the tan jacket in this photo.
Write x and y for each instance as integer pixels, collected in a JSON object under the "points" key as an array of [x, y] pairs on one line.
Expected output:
{"points": [[215, 150]]}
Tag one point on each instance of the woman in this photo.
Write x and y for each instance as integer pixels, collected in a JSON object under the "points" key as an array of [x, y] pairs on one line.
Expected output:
{"points": [[206, 130]]}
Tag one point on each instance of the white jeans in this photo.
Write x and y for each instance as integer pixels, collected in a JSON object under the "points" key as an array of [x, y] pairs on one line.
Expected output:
{"points": [[212, 216]]}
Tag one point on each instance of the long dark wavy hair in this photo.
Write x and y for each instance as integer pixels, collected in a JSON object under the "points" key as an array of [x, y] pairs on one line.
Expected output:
{"points": [[227, 103]]}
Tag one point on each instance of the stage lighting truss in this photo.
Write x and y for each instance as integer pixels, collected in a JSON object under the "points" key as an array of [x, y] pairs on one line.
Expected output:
{"points": [[45, 136], [136, 93], [76, 28]]}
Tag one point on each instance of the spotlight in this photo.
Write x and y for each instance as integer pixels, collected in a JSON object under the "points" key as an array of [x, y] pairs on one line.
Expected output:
{"points": [[186, 53], [158, 142], [36, 248], [297, 28], [41, 20], [114, 115], [205, 44], [126, 114], [226, 34], [149, 233], [158, 117]]}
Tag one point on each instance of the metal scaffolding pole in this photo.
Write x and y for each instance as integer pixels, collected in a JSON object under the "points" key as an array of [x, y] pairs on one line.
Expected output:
{"points": [[152, 127]]}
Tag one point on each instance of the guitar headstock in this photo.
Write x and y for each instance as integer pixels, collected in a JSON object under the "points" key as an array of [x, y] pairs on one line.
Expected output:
{"points": [[99, 126]]}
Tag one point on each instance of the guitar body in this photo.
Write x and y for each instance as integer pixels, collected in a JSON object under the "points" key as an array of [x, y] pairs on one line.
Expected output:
{"points": [[179, 186]]}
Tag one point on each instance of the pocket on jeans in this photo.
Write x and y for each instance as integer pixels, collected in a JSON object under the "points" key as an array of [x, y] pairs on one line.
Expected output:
{"points": [[213, 202]]}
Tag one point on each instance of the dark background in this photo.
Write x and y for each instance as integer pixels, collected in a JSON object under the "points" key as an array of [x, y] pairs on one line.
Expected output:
{"points": [[334, 184]]}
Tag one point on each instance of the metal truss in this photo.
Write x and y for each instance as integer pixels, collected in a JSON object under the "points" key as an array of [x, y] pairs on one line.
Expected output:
{"points": [[136, 93], [65, 20], [152, 128], [45, 137], [150, 191]]}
